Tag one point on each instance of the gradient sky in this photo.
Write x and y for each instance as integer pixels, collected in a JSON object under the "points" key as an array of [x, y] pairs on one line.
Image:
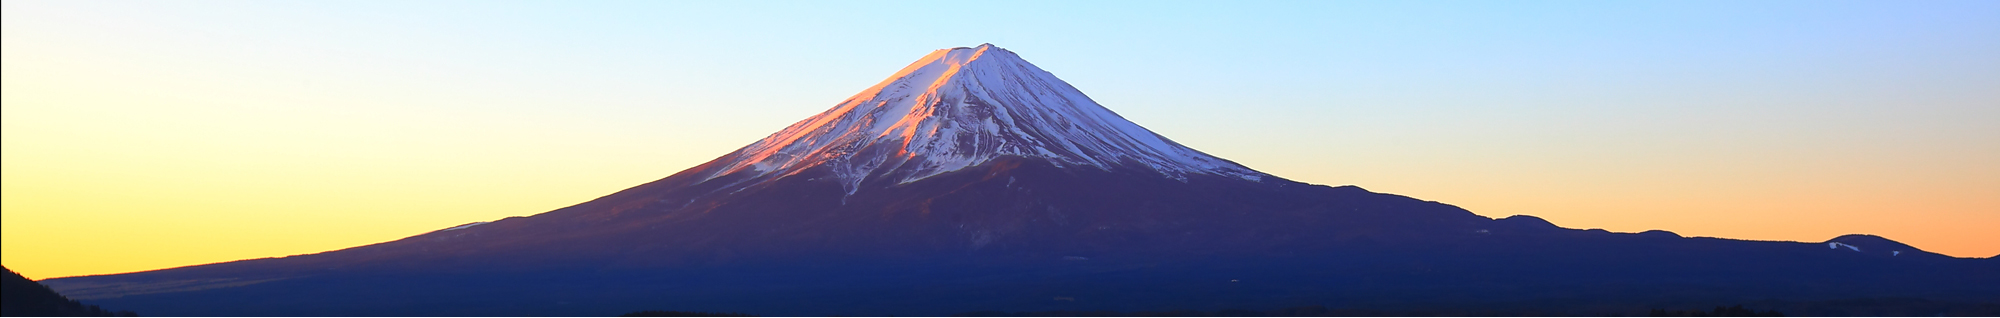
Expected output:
{"points": [[146, 135]]}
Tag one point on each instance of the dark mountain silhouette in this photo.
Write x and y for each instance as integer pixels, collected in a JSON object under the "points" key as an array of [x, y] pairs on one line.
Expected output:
{"points": [[973, 180], [21, 297]]}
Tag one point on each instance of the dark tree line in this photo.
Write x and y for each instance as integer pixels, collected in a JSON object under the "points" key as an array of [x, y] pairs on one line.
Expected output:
{"points": [[1732, 311], [20, 296], [1323, 311], [669, 313]]}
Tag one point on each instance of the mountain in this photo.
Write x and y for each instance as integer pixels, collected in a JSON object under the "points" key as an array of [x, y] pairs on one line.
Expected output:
{"points": [[973, 180], [959, 108]]}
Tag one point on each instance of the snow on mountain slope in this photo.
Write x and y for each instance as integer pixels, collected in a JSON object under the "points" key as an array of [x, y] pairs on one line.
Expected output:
{"points": [[961, 107]]}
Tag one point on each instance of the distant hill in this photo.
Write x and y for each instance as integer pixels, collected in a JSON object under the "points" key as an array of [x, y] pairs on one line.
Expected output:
{"points": [[25, 297]]}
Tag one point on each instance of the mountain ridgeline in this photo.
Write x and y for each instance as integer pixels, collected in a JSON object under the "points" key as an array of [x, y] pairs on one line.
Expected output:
{"points": [[974, 181]]}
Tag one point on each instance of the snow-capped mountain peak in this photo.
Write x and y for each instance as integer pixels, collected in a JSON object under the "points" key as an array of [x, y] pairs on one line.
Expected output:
{"points": [[962, 107]]}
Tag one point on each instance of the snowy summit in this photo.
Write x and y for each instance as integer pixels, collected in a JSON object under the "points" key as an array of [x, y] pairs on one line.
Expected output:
{"points": [[962, 107]]}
